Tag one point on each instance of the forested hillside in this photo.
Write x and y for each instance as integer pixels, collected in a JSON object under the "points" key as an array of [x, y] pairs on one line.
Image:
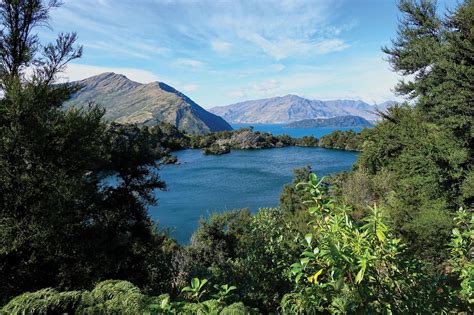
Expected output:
{"points": [[396, 235]]}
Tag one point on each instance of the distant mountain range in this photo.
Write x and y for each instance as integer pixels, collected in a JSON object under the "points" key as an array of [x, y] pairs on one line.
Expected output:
{"points": [[291, 108], [126, 101], [335, 122]]}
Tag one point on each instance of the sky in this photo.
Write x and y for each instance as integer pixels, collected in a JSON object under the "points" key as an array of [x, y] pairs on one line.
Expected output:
{"points": [[220, 52]]}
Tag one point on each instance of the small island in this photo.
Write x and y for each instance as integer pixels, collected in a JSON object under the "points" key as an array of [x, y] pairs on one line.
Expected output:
{"points": [[334, 122]]}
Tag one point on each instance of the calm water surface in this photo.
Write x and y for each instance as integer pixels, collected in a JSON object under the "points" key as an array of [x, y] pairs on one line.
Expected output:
{"points": [[242, 179]]}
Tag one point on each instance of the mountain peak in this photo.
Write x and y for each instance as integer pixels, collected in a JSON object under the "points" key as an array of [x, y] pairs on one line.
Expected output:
{"points": [[129, 102], [292, 97], [290, 108], [109, 75]]}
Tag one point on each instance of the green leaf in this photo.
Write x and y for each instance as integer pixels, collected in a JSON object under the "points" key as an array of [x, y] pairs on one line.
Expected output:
{"points": [[195, 283], [308, 237], [380, 234], [360, 276], [298, 277], [187, 289], [304, 261]]}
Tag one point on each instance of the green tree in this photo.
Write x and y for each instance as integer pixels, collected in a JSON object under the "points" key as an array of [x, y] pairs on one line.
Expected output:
{"points": [[63, 223], [425, 149], [437, 56]]}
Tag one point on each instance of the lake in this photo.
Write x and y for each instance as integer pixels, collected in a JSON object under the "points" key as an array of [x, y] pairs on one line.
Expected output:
{"points": [[279, 129], [242, 179]]}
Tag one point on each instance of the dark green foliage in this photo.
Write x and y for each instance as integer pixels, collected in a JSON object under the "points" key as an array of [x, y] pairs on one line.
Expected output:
{"points": [[444, 73], [169, 137], [61, 224], [440, 54], [425, 165], [248, 251], [291, 199], [307, 141], [360, 190], [345, 140], [418, 160]]}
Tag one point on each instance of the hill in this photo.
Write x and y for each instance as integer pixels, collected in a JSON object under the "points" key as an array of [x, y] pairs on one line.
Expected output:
{"points": [[335, 122], [126, 101], [290, 108]]}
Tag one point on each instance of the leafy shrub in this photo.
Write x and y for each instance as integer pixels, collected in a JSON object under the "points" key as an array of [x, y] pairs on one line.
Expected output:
{"points": [[462, 253], [349, 267]]}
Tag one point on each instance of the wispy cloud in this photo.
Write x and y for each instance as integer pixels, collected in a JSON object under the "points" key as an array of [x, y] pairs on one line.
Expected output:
{"points": [[76, 72], [190, 63], [368, 79], [229, 50], [220, 45], [114, 49], [283, 48], [189, 88]]}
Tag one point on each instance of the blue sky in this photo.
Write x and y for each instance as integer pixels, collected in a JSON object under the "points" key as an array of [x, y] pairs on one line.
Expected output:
{"points": [[222, 52]]}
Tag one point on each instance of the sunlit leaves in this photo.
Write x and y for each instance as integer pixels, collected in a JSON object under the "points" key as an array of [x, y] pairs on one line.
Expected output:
{"points": [[345, 262]]}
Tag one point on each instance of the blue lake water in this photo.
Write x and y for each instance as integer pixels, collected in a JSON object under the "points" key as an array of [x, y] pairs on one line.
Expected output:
{"points": [[279, 129], [252, 179]]}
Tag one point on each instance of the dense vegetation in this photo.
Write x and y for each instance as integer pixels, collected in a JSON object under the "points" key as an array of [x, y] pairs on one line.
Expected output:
{"points": [[345, 140], [60, 226], [396, 235]]}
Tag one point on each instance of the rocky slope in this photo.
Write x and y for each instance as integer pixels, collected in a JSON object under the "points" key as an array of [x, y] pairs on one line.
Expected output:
{"points": [[335, 122], [126, 101], [290, 108]]}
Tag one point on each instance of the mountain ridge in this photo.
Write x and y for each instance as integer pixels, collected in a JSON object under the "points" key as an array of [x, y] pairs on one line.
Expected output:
{"points": [[127, 101], [291, 108]]}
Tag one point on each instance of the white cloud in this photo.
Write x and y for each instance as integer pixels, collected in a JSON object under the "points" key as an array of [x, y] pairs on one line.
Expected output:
{"points": [[277, 67], [186, 62], [238, 94], [330, 45], [113, 49], [286, 47], [367, 79], [220, 46], [188, 88], [266, 88], [75, 72]]}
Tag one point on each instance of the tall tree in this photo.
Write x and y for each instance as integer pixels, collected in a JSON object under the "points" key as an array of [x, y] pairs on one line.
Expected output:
{"points": [[62, 222], [427, 151]]}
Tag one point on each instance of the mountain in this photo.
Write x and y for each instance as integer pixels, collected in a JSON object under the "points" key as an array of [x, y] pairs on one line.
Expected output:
{"points": [[126, 101], [290, 108], [335, 122]]}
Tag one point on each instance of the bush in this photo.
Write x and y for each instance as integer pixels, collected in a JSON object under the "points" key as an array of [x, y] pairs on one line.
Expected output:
{"points": [[350, 267]]}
